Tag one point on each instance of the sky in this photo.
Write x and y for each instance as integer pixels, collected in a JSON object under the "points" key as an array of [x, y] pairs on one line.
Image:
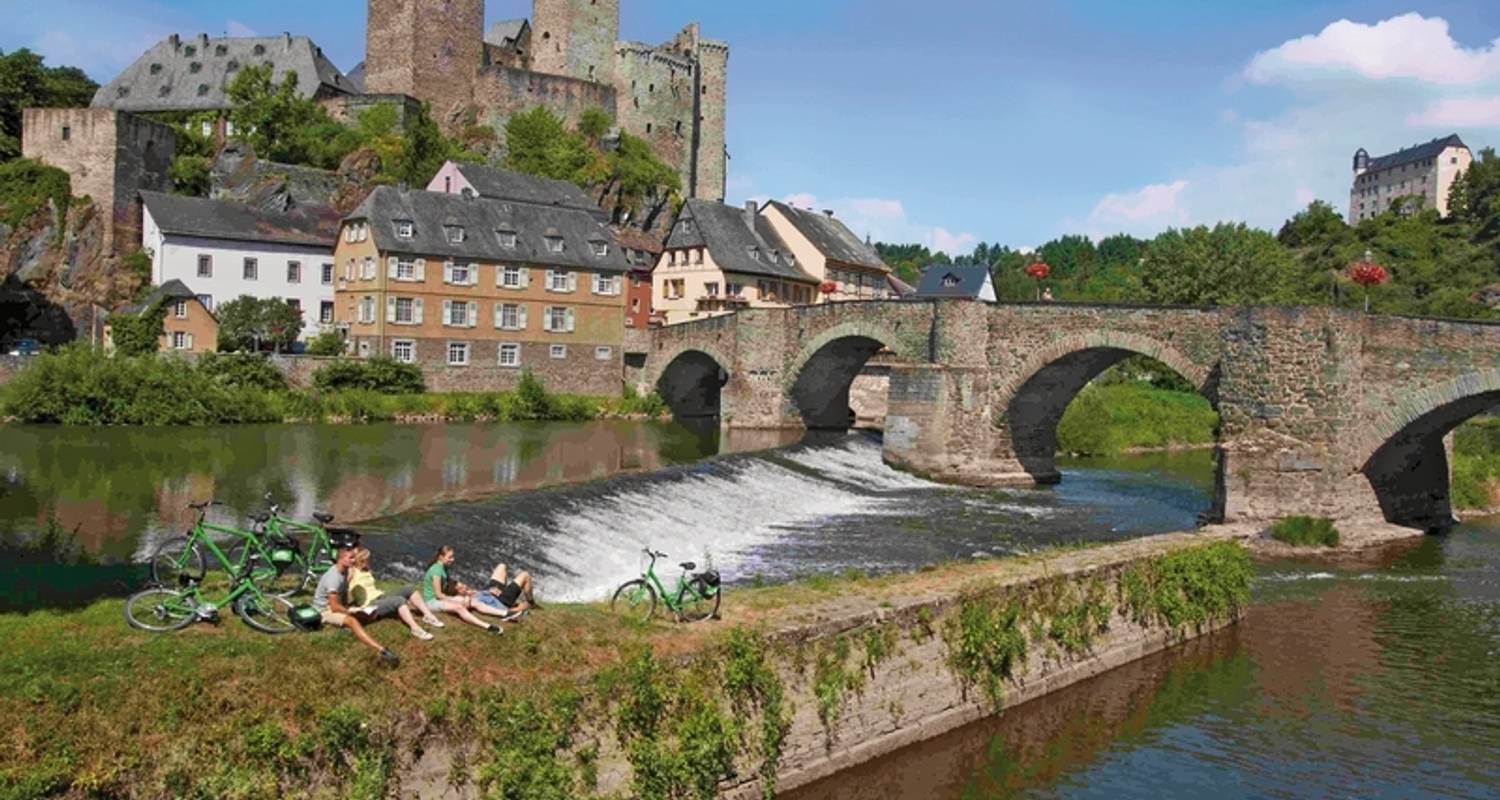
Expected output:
{"points": [[950, 122]]}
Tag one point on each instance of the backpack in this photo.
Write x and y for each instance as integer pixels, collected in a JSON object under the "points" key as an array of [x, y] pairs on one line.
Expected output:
{"points": [[305, 617]]}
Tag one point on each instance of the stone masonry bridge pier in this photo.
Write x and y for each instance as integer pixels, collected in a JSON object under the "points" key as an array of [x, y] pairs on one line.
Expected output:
{"points": [[1323, 412]]}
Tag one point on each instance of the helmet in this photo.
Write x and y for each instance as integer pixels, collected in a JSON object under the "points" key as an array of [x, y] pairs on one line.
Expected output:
{"points": [[305, 617]]}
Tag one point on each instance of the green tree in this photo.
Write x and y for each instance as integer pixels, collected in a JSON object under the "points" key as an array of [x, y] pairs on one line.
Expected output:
{"points": [[1323, 245], [190, 175], [251, 324], [26, 82], [1228, 264], [273, 118], [538, 143], [139, 334]]}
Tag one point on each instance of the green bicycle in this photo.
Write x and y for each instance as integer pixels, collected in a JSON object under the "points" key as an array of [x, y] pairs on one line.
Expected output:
{"points": [[180, 560], [696, 597], [318, 559], [164, 608]]}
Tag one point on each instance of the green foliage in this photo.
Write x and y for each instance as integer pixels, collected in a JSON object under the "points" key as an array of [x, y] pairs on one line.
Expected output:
{"points": [[1074, 625], [750, 683], [1476, 463], [644, 700], [986, 644], [1189, 587], [138, 263], [327, 343], [242, 371], [253, 323], [25, 188], [26, 82], [274, 119], [190, 175], [380, 374], [1303, 531], [1229, 264], [538, 143], [526, 751], [139, 334], [1113, 417], [632, 403], [833, 680]]}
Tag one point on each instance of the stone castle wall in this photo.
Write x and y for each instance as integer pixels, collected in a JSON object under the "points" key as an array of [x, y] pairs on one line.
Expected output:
{"points": [[655, 90], [500, 92], [575, 38]]}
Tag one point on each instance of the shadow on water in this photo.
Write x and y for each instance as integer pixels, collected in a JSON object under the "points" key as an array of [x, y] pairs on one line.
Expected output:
{"points": [[53, 570]]}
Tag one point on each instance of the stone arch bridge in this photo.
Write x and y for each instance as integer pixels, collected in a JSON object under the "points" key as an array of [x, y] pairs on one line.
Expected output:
{"points": [[1322, 411]]}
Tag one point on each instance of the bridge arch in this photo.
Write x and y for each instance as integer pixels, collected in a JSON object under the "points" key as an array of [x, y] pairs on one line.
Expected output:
{"points": [[819, 377], [1400, 450], [690, 380], [1055, 373]]}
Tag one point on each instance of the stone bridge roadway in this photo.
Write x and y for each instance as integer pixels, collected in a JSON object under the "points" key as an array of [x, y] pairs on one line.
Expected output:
{"points": [[1323, 412]]}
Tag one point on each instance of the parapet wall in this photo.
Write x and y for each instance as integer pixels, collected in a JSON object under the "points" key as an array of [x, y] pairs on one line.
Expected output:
{"points": [[501, 91]]}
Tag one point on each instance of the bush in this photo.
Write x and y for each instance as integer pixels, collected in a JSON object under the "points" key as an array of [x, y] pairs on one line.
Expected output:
{"points": [[242, 371], [532, 399], [1306, 532], [376, 374], [25, 188], [1104, 420], [327, 343]]}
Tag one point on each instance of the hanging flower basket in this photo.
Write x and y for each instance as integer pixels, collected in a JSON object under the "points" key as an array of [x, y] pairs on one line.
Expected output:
{"points": [[1367, 273], [828, 287], [1039, 270]]}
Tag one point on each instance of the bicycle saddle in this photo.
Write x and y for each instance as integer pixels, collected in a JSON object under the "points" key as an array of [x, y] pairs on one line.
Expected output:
{"points": [[688, 565], [323, 517]]}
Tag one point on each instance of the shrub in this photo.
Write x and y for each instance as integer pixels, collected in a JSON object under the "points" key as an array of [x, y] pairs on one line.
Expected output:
{"points": [[242, 370], [376, 374], [327, 343], [138, 334], [532, 399], [1306, 531], [26, 186]]}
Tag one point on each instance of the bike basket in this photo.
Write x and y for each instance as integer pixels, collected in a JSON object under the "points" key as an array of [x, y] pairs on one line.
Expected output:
{"points": [[283, 555], [710, 577], [305, 617]]}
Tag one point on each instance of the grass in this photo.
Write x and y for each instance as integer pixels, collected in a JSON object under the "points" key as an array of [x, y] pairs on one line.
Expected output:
{"points": [[1306, 532], [1110, 419], [1476, 463]]}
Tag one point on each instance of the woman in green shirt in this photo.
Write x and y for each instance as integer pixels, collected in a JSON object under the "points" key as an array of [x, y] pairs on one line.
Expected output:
{"points": [[441, 594]]}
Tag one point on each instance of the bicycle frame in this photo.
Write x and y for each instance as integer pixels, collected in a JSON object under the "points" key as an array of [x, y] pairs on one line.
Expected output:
{"points": [[669, 598]]}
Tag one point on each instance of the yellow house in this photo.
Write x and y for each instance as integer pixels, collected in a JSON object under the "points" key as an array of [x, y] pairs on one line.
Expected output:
{"points": [[827, 250], [475, 289], [718, 259], [187, 324]]}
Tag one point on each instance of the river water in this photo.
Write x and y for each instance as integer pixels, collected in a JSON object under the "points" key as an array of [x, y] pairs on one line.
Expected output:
{"points": [[1381, 680]]}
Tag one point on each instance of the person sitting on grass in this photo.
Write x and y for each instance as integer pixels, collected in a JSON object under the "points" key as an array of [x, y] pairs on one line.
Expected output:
{"points": [[329, 600], [370, 604], [505, 596], [441, 593]]}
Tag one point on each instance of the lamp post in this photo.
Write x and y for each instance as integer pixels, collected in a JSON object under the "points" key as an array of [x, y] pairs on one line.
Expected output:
{"points": [[1367, 273], [1038, 270]]}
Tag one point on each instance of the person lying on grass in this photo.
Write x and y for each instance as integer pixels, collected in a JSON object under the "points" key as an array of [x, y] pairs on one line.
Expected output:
{"points": [[441, 593], [369, 604], [328, 599], [505, 596]]}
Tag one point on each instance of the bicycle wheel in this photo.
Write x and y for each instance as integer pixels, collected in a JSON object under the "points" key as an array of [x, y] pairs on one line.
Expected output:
{"points": [[265, 613], [634, 600], [697, 601], [278, 579], [159, 610], [177, 562]]}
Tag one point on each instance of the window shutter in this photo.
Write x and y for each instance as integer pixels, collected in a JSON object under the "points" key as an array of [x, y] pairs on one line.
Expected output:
{"points": [[190, 341], [390, 267], [568, 319], [447, 312], [473, 274], [421, 270], [572, 281], [447, 272], [416, 311], [548, 287], [473, 313], [521, 317], [618, 282], [390, 309], [525, 277]]}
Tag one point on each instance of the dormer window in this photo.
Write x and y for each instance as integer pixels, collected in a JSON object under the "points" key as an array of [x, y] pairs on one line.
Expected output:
{"points": [[405, 229], [755, 253], [554, 244], [950, 281], [601, 249], [455, 233], [507, 239]]}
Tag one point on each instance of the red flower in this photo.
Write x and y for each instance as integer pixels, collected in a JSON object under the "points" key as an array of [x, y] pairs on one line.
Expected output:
{"points": [[828, 287], [1038, 269], [1367, 273]]}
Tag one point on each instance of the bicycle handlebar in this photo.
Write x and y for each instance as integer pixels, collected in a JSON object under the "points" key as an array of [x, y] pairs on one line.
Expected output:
{"points": [[204, 505], [654, 553]]}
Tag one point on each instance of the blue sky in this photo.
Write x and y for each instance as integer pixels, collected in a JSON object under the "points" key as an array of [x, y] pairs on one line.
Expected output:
{"points": [[949, 122]]}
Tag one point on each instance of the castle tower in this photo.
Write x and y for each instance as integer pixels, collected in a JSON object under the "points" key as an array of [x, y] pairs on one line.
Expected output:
{"points": [[710, 154], [428, 49], [575, 38]]}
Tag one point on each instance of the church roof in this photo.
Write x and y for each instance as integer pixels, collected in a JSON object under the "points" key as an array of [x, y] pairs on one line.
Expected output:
{"points": [[194, 74], [832, 237], [736, 243], [1415, 153]]}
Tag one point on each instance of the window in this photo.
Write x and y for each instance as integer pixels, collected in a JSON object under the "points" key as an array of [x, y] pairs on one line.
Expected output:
{"points": [[461, 273], [406, 269], [554, 244], [711, 289], [206, 128], [511, 277], [207, 300], [405, 311], [325, 312], [294, 272], [672, 258], [364, 348], [252, 268], [950, 280], [510, 355], [367, 309], [179, 309], [405, 229], [294, 303], [67, 133], [507, 238], [205, 266], [1452, 159], [558, 281], [508, 317], [229, 127], [404, 351], [458, 354], [455, 233], [603, 353], [367, 269], [558, 351], [698, 256], [327, 275], [456, 313], [755, 253], [180, 340], [601, 249], [734, 289], [559, 319], [606, 284]]}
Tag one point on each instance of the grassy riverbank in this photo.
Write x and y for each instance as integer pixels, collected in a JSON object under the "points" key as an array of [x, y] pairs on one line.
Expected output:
{"points": [[93, 708], [1476, 464], [81, 386], [1109, 419]]}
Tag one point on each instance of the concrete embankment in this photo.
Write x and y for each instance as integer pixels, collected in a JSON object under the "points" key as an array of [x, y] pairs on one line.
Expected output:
{"points": [[817, 688]]}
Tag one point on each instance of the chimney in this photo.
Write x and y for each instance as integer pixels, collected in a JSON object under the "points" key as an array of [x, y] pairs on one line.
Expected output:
{"points": [[828, 212], [751, 210], [175, 41]]}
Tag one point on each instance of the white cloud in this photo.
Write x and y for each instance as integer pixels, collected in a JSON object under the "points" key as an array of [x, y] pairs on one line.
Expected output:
{"points": [[952, 243], [1154, 203], [236, 28], [1458, 112], [1407, 46]]}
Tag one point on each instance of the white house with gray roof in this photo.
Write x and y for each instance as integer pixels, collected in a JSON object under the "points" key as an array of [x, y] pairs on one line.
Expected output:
{"points": [[1420, 176], [225, 250]]}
